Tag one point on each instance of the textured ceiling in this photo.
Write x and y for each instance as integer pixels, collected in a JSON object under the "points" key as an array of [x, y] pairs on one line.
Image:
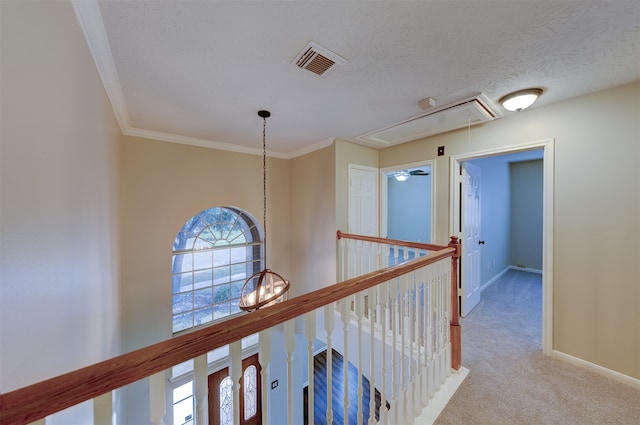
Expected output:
{"points": [[197, 71]]}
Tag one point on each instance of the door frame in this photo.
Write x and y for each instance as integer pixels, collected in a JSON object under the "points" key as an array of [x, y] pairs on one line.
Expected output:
{"points": [[547, 145], [384, 194]]}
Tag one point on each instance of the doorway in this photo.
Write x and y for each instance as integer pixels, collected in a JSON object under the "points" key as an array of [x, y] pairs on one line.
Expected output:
{"points": [[221, 394], [456, 220], [407, 202]]}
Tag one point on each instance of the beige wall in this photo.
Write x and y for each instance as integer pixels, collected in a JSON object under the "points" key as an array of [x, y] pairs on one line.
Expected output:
{"points": [[313, 221], [596, 276], [77, 199], [60, 199], [165, 184]]}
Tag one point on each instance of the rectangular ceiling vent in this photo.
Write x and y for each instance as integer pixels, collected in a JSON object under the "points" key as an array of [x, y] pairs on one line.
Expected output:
{"points": [[317, 59], [471, 111]]}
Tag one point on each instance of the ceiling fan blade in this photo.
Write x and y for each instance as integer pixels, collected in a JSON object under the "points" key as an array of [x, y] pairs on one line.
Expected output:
{"points": [[419, 173]]}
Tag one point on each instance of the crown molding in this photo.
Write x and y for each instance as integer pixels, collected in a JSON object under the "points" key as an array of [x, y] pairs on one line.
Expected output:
{"points": [[90, 21], [203, 143], [315, 147]]}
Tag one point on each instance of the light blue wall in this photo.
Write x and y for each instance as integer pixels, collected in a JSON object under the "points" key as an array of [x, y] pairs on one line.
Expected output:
{"points": [[526, 214], [511, 212], [409, 209], [494, 216]]}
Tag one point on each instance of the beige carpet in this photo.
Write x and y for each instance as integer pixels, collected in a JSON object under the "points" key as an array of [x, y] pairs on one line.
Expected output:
{"points": [[512, 382]]}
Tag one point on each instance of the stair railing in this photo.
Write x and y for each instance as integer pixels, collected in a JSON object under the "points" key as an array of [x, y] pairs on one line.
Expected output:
{"points": [[413, 339]]}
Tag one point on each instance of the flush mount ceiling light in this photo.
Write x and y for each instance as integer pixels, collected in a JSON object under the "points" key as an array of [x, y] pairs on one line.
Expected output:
{"points": [[265, 287], [520, 99]]}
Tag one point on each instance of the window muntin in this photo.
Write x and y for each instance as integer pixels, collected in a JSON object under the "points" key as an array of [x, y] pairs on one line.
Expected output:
{"points": [[183, 404], [213, 255]]}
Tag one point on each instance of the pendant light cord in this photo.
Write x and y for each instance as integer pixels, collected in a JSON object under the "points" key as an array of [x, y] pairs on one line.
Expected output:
{"points": [[264, 186]]}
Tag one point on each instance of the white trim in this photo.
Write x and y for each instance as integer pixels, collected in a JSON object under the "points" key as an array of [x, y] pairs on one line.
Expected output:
{"points": [[616, 376], [547, 222], [441, 398], [526, 269], [383, 194], [506, 269], [203, 143], [92, 26], [494, 279], [312, 148]]}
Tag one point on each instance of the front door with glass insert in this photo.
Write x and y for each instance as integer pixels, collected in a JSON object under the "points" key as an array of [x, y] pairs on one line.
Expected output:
{"points": [[221, 395]]}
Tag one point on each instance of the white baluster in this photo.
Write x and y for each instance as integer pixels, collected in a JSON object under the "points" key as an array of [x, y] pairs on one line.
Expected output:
{"points": [[201, 383], [383, 297], [345, 316], [310, 330], [359, 311], [157, 408], [328, 326], [403, 297], [424, 326], [372, 297], [265, 360], [440, 317], [103, 409], [235, 373], [432, 336], [417, 343], [393, 295], [412, 392], [290, 346]]}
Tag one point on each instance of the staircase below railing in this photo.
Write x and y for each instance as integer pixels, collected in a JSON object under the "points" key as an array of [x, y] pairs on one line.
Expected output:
{"points": [[397, 305]]}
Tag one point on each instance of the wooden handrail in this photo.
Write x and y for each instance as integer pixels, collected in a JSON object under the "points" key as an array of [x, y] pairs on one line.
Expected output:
{"points": [[419, 245], [44, 398]]}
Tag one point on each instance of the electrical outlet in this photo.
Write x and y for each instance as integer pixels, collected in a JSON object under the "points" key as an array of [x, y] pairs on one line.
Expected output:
{"points": [[440, 150], [274, 384]]}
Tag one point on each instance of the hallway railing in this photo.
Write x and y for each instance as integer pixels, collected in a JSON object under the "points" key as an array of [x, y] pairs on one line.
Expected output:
{"points": [[407, 350]]}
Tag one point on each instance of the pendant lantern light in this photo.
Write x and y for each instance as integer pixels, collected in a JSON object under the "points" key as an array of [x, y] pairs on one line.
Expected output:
{"points": [[265, 287]]}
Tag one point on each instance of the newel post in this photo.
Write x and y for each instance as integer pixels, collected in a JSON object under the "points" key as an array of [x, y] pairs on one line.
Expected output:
{"points": [[456, 344]]}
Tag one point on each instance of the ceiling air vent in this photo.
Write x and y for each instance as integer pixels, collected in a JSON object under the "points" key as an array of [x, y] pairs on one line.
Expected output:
{"points": [[315, 58], [467, 112]]}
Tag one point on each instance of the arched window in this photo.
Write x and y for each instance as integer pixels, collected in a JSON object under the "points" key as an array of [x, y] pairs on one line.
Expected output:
{"points": [[213, 255]]}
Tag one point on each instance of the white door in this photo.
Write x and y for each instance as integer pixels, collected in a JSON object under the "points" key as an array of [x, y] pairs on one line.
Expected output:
{"points": [[471, 243], [363, 200]]}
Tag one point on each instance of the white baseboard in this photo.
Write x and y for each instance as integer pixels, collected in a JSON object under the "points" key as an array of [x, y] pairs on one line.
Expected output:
{"points": [[499, 275], [616, 376], [526, 269], [441, 398], [494, 279]]}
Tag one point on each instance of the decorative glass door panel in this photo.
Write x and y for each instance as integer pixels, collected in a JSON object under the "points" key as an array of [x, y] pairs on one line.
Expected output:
{"points": [[221, 395]]}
